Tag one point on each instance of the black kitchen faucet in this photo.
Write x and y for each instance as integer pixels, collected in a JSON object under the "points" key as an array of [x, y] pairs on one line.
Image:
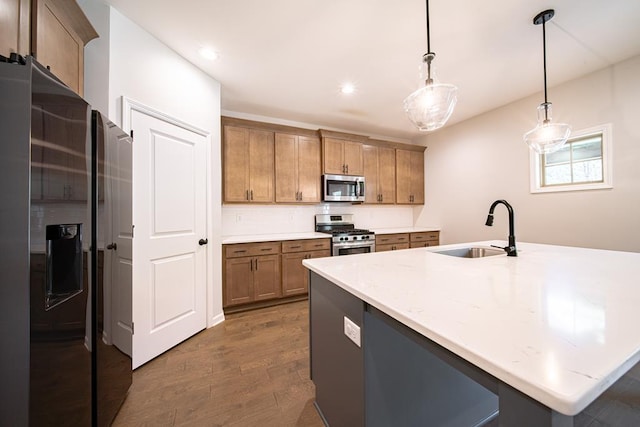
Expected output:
{"points": [[511, 249]]}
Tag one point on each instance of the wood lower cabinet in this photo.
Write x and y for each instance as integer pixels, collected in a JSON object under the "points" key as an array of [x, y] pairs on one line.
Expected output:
{"points": [[392, 242], [295, 277], [268, 273], [248, 165], [297, 168], [409, 177], [251, 273], [424, 239]]}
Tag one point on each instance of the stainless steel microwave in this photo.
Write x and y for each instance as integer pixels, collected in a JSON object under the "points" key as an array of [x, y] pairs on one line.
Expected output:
{"points": [[342, 188]]}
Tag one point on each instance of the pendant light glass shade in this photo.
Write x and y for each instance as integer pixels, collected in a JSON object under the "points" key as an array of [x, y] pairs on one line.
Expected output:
{"points": [[430, 107], [547, 137]]}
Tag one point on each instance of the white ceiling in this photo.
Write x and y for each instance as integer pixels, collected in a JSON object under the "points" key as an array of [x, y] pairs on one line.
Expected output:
{"points": [[287, 58]]}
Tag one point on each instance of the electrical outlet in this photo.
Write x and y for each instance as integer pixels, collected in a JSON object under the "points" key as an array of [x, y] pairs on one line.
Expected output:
{"points": [[352, 331]]}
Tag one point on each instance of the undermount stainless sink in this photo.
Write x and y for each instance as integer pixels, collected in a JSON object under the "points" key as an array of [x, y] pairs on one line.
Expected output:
{"points": [[473, 252]]}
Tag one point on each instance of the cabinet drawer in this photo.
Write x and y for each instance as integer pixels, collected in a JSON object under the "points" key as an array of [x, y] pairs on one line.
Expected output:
{"points": [[391, 247], [251, 249], [424, 244], [387, 239], [423, 237], [305, 245]]}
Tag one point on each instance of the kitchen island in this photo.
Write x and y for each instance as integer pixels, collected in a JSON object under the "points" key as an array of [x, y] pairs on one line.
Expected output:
{"points": [[537, 337]]}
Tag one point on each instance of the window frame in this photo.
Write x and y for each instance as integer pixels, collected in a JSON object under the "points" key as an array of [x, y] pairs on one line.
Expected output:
{"points": [[535, 164]]}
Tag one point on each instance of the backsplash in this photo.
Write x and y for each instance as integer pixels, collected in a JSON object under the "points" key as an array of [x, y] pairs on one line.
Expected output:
{"points": [[238, 220]]}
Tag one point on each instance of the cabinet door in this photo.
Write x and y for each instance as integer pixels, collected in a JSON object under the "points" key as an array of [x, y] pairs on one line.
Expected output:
{"points": [[309, 171], [235, 149], [417, 177], [409, 177], [266, 277], [295, 277], [387, 174], [403, 176], [14, 27], [333, 156], [238, 282], [370, 170], [59, 32], [261, 166], [286, 164], [353, 158]]}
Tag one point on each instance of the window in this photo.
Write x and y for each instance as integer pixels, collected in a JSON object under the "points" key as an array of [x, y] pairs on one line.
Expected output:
{"points": [[583, 163]]}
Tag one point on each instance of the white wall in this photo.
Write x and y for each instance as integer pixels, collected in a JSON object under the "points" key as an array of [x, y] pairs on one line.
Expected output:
{"points": [[473, 163], [145, 70]]}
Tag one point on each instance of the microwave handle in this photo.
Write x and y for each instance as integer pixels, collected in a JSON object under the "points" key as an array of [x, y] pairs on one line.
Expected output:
{"points": [[360, 188]]}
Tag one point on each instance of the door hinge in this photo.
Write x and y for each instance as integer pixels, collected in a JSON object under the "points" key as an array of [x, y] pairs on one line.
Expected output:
{"points": [[132, 229], [132, 328], [131, 133]]}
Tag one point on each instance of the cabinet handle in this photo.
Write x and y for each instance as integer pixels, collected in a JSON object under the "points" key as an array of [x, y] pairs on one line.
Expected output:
{"points": [[266, 249], [240, 251], [301, 196], [251, 194], [296, 247], [319, 245], [347, 168], [256, 264]]}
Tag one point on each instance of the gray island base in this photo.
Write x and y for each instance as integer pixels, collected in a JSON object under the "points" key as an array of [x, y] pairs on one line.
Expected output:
{"points": [[398, 377]]}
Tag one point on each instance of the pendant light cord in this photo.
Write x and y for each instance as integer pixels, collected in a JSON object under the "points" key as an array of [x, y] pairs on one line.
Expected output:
{"points": [[544, 62], [428, 57], [428, 36]]}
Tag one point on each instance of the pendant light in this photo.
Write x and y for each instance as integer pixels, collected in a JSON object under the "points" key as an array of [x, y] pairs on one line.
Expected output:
{"points": [[547, 136], [430, 107]]}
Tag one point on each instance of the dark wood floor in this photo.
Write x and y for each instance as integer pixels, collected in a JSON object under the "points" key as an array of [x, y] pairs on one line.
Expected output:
{"points": [[253, 370]]}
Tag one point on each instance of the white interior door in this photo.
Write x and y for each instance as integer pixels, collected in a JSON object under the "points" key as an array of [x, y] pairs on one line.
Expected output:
{"points": [[169, 208], [119, 157]]}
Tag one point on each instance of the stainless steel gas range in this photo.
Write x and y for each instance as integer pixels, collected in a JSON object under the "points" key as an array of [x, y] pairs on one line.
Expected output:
{"points": [[346, 239]]}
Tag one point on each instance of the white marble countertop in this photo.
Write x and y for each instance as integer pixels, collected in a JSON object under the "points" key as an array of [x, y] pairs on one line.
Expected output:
{"points": [[404, 230], [227, 240], [560, 324]]}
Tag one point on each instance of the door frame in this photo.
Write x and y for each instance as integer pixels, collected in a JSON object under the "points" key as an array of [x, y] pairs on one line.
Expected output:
{"points": [[129, 105]]}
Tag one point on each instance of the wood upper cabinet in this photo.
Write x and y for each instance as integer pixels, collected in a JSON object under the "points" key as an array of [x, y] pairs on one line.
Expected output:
{"points": [[342, 157], [409, 177], [59, 32], [248, 164], [379, 174], [297, 168], [14, 27]]}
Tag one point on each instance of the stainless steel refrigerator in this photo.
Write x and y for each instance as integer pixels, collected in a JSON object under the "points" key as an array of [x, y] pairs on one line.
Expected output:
{"points": [[62, 363]]}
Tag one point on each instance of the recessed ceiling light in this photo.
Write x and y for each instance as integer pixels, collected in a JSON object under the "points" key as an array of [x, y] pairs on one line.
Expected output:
{"points": [[348, 88], [208, 53]]}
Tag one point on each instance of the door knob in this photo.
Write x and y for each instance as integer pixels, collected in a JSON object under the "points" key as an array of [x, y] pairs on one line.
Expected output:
{"points": [[203, 242], [113, 246]]}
